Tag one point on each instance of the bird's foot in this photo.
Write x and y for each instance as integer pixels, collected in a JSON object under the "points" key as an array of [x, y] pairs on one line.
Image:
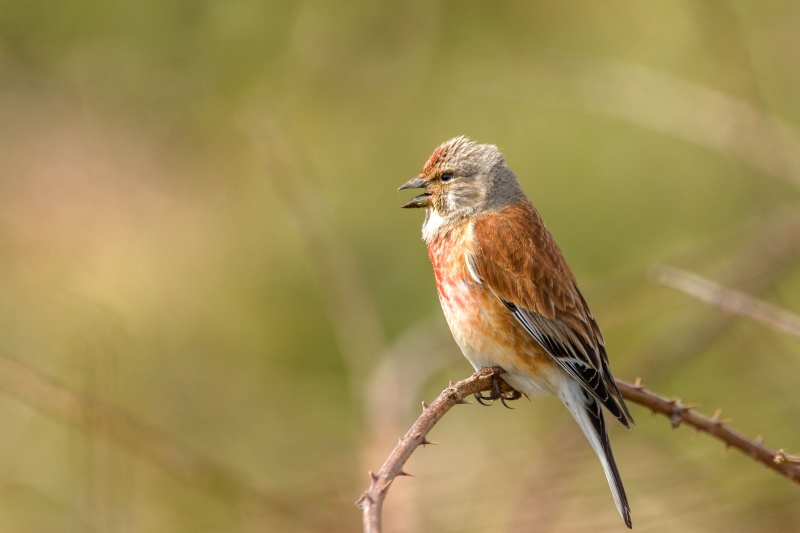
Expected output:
{"points": [[511, 396], [500, 391]]}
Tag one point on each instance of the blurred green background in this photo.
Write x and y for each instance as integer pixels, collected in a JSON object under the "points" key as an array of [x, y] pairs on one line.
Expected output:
{"points": [[214, 317]]}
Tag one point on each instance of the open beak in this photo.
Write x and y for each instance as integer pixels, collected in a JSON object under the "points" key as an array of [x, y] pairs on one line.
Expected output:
{"points": [[423, 200]]}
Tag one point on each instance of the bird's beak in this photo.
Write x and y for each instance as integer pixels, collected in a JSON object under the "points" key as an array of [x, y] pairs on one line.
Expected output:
{"points": [[423, 200]]}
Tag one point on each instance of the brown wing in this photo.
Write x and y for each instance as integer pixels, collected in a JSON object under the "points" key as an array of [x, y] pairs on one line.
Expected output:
{"points": [[520, 262]]}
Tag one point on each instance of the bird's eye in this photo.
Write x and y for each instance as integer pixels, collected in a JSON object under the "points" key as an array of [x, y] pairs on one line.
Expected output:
{"points": [[447, 176]]}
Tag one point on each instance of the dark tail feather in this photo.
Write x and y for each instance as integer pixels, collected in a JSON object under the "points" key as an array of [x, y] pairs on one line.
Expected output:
{"points": [[612, 386], [587, 412]]}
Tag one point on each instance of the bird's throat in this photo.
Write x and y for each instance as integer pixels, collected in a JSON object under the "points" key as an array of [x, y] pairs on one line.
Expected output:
{"points": [[433, 223]]}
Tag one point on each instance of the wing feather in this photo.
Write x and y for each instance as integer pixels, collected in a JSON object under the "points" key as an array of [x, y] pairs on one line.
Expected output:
{"points": [[517, 258]]}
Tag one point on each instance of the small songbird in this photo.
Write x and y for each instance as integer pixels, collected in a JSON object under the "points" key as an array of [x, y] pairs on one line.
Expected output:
{"points": [[509, 296]]}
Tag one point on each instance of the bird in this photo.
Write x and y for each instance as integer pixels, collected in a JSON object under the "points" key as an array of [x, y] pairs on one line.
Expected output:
{"points": [[509, 296]]}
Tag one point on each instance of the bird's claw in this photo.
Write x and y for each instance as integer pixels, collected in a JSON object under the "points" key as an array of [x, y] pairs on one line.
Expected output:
{"points": [[480, 399], [498, 394], [512, 396]]}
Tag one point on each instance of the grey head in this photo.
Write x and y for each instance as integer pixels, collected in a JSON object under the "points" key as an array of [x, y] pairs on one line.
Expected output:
{"points": [[463, 178]]}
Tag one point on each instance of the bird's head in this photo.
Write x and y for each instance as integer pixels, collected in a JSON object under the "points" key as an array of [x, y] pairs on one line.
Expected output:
{"points": [[464, 178]]}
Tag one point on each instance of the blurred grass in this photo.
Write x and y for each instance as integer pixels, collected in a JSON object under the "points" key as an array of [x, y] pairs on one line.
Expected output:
{"points": [[150, 258]]}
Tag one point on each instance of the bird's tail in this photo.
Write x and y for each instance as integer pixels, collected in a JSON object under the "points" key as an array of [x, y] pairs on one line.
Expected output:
{"points": [[589, 415]]}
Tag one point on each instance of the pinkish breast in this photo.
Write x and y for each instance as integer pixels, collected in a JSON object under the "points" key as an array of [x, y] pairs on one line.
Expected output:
{"points": [[481, 325], [458, 292], [441, 251]]}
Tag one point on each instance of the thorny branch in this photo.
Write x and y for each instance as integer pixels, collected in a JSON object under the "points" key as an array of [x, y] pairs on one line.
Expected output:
{"points": [[371, 502], [679, 413]]}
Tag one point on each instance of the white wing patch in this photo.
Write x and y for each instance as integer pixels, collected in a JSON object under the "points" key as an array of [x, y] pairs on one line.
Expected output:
{"points": [[469, 259]]}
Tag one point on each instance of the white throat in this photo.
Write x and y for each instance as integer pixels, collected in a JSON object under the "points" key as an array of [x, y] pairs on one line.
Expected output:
{"points": [[433, 222]]}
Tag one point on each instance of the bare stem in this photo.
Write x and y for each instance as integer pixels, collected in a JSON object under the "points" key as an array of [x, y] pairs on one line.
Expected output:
{"points": [[728, 299], [371, 502]]}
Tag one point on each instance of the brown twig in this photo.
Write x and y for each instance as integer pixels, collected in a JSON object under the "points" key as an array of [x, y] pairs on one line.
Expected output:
{"points": [[728, 299], [762, 258], [679, 413], [392, 389], [371, 502]]}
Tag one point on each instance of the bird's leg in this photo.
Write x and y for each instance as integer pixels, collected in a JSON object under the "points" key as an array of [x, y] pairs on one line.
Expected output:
{"points": [[499, 392], [495, 394]]}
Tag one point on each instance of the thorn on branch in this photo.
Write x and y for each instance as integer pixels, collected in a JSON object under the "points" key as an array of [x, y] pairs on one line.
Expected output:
{"points": [[638, 384], [425, 442], [404, 473], [782, 457], [720, 421], [363, 500], [424, 406]]}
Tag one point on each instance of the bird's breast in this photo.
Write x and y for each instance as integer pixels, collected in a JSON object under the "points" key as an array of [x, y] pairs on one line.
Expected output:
{"points": [[482, 326]]}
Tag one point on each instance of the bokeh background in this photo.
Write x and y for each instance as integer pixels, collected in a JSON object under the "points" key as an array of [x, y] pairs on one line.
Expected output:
{"points": [[214, 317]]}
